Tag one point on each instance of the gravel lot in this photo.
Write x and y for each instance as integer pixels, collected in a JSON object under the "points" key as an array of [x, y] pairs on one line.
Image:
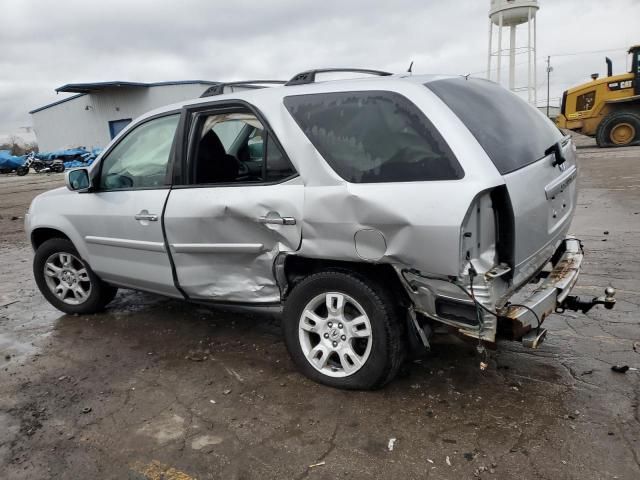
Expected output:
{"points": [[155, 388]]}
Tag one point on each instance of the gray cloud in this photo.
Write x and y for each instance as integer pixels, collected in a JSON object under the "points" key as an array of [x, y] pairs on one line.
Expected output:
{"points": [[46, 44]]}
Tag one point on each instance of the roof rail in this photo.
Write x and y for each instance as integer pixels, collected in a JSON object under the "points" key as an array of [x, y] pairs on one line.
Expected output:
{"points": [[218, 88], [310, 75]]}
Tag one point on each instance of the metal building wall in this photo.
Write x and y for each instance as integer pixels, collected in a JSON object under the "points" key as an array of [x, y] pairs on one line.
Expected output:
{"points": [[84, 121]]}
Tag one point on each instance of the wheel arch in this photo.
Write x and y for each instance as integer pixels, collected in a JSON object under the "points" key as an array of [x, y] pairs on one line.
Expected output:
{"points": [[292, 269], [42, 234]]}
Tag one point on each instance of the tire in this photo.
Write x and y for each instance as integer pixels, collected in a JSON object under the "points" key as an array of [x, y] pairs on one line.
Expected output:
{"points": [[22, 171], [57, 168], [355, 363], [619, 129], [72, 275]]}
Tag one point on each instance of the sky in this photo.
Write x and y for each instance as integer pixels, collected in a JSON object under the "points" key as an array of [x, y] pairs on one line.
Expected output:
{"points": [[45, 44]]}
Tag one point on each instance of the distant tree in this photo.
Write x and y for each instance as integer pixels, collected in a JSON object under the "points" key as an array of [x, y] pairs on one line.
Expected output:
{"points": [[18, 146], [31, 147]]}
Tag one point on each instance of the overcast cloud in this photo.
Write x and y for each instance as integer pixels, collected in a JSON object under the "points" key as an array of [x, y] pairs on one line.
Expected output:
{"points": [[45, 44]]}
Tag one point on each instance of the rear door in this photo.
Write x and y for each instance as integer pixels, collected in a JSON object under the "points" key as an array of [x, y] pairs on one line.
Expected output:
{"points": [[239, 206], [519, 141]]}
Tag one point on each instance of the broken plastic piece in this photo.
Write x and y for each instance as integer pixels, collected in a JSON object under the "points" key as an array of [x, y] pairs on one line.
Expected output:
{"points": [[392, 442]]}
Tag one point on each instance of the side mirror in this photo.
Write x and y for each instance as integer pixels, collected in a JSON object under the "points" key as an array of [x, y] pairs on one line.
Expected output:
{"points": [[78, 180]]}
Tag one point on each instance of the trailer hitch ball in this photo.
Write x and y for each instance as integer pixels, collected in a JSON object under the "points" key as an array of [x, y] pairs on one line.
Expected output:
{"points": [[584, 304], [609, 297]]}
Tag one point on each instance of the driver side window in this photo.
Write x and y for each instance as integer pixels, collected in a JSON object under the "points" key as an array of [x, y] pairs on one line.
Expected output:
{"points": [[140, 159]]}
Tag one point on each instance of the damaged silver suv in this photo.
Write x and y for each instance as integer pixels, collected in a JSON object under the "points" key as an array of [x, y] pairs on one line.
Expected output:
{"points": [[374, 210]]}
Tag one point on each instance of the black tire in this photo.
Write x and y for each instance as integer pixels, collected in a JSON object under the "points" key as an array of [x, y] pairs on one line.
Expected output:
{"points": [[57, 168], [617, 120], [100, 294], [387, 349], [22, 171]]}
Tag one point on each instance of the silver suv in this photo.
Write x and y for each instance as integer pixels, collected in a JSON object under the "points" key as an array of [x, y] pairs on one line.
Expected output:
{"points": [[374, 210]]}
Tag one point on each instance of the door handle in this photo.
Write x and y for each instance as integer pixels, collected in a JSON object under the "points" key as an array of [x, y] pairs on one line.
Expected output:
{"points": [[150, 217], [277, 220]]}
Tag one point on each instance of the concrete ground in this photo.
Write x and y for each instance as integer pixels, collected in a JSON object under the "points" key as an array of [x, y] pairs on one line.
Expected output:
{"points": [[158, 389]]}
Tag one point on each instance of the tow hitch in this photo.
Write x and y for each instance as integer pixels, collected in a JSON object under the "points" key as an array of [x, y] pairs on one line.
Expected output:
{"points": [[584, 304]]}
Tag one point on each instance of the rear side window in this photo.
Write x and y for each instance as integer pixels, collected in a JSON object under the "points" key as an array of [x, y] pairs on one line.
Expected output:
{"points": [[373, 137], [513, 133]]}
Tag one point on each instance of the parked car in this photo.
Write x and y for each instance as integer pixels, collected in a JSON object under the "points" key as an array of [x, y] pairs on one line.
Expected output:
{"points": [[372, 209]]}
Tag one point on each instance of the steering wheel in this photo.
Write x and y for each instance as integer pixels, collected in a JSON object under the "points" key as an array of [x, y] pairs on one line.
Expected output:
{"points": [[243, 170], [115, 180]]}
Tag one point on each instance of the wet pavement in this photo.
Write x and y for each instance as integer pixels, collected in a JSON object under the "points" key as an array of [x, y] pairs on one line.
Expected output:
{"points": [[155, 388]]}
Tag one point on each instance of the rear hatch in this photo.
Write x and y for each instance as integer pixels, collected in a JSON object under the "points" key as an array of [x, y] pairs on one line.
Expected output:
{"points": [[536, 161]]}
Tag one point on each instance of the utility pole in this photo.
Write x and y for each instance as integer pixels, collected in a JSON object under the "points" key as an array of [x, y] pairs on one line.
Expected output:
{"points": [[549, 70]]}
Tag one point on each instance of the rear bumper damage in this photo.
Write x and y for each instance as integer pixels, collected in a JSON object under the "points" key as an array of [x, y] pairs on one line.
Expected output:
{"points": [[549, 294], [553, 294], [518, 315]]}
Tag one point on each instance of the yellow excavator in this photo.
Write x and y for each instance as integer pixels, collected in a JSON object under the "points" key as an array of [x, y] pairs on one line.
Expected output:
{"points": [[606, 108]]}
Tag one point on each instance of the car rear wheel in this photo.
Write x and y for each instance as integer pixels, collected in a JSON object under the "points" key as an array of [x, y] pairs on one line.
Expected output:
{"points": [[66, 281], [343, 331], [619, 129]]}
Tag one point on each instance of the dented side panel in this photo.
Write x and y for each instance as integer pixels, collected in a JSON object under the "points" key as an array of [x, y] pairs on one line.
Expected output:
{"points": [[420, 221], [221, 249], [419, 230]]}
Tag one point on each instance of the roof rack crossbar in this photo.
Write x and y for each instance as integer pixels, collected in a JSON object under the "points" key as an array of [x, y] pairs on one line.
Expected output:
{"points": [[309, 76], [218, 88]]}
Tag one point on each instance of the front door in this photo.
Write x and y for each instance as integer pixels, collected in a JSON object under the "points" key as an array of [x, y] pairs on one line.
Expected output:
{"points": [[239, 207], [121, 219]]}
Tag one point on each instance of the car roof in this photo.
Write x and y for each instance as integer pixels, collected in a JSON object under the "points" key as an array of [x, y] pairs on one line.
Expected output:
{"points": [[280, 92]]}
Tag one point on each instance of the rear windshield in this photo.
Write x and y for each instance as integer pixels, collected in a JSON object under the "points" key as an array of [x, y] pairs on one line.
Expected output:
{"points": [[513, 133], [374, 136]]}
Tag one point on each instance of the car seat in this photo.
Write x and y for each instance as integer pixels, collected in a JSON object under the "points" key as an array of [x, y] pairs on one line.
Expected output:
{"points": [[213, 164]]}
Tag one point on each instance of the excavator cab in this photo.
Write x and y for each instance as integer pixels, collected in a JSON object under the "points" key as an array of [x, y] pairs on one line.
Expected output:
{"points": [[635, 68], [606, 108]]}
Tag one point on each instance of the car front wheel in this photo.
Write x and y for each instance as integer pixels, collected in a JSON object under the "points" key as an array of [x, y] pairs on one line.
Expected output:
{"points": [[343, 331], [66, 281]]}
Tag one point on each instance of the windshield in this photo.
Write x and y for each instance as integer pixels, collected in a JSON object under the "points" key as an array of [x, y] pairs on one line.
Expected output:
{"points": [[513, 133]]}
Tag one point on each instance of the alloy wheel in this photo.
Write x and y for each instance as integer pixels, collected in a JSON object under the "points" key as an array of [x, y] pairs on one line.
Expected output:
{"points": [[335, 334], [67, 278]]}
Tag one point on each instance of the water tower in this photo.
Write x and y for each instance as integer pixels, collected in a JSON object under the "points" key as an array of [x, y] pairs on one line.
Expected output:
{"points": [[510, 14]]}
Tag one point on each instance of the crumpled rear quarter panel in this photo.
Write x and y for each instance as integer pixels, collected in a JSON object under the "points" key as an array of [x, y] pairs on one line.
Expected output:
{"points": [[420, 221]]}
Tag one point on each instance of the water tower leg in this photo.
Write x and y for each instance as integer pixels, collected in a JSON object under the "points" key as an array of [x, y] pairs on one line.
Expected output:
{"points": [[535, 60], [512, 58], [490, 46], [499, 47], [530, 84]]}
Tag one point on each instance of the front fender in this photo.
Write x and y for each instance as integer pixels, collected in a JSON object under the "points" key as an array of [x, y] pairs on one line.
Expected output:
{"points": [[48, 210]]}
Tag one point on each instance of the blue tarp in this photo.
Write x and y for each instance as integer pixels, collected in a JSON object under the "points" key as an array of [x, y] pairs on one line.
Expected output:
{"points": [[72, 157], [67, 154], [75, 164], [9, 161]]}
